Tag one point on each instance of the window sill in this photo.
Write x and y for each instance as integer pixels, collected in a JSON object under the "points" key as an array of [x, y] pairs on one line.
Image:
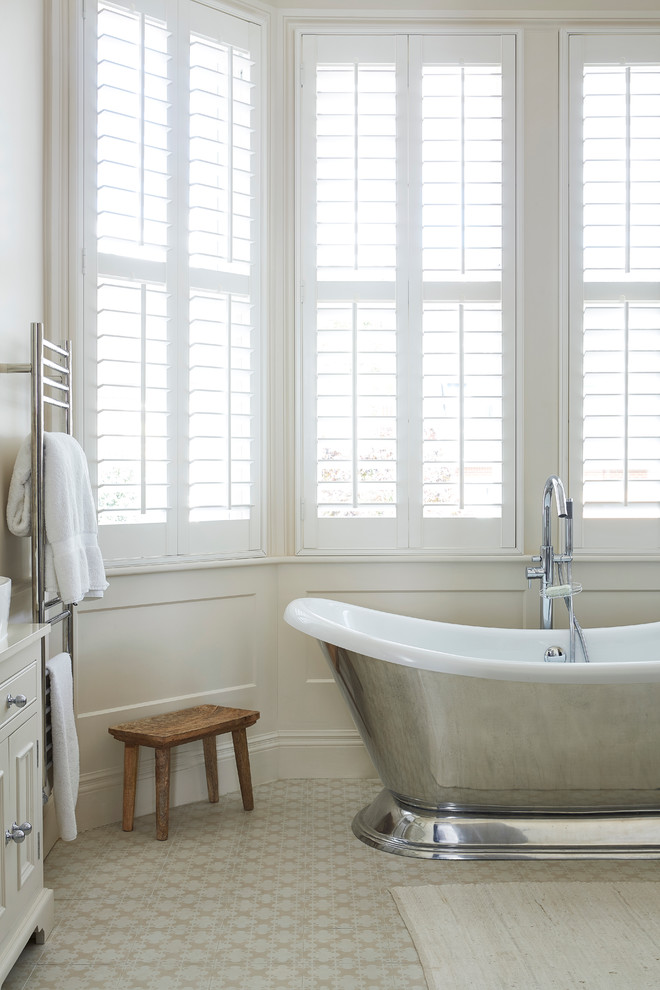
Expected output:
{"points": [[162, 566]]}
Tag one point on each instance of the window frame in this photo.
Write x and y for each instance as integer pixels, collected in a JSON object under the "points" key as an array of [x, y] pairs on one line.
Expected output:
{"points": [[183, 542], [600, 535], [406, 533]]}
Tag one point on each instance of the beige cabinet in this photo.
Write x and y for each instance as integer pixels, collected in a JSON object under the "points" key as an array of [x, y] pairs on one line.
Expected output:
{"points": [[25, 906]]}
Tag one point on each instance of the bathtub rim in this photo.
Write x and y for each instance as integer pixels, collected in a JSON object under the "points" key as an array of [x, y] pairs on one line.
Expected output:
{"points": [[325, 619]]}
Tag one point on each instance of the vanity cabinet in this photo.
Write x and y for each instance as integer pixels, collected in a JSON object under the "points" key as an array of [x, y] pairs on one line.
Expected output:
{"points": [[26, 907]]}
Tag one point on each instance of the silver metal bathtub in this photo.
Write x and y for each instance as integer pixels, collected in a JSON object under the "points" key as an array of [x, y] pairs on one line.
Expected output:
{"points": [[502, 758]]}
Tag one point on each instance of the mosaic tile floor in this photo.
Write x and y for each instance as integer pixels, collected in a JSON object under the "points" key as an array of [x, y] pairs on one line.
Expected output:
{"points": [[280, 898]]}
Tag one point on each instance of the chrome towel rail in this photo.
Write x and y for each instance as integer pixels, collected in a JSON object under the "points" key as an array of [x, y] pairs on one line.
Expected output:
{"points": [[51, 377]]}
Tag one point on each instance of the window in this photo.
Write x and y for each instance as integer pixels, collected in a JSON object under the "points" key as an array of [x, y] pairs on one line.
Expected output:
{"points": [[407, 217], [172, 281], [615, 302]]}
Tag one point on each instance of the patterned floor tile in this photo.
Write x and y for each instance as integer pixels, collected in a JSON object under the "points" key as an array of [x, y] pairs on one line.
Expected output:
{"points": [[258, 901]]}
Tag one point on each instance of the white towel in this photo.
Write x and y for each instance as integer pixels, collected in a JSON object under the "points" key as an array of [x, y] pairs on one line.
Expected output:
{"points": [[66, 754], [73, 562], [19, 500]]}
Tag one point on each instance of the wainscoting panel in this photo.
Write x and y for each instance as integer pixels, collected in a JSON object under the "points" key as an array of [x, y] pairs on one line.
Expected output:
{"points": [[461, 592], [175, 650], [164, 641]]}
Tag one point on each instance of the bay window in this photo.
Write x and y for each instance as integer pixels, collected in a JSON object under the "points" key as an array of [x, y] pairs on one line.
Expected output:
{"points": [[406, 235]]}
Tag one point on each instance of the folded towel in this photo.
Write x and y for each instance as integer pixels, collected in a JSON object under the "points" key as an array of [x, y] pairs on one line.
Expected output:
{"points": [[73, 562], [66, 754]]}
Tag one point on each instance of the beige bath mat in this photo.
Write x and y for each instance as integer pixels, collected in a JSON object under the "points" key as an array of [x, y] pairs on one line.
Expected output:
{"points": [[535, 936]]}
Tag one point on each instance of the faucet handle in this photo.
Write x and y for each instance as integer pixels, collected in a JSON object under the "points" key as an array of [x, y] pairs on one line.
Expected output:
{"points": [[533, 573]]}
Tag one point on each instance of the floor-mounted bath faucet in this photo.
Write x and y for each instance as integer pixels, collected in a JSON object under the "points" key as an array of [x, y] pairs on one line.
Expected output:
{"points": [[561, 563], [547, 559]]}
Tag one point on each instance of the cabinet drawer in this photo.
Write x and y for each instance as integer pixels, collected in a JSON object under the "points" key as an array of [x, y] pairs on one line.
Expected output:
{"points": [[25, 683]]}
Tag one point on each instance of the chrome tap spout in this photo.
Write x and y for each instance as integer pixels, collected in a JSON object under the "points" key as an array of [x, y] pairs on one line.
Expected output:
{"points": [[545, 573], [553, 486], [560, 564]]}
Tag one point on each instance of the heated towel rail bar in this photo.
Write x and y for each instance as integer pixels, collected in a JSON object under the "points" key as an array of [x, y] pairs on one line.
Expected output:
{"points": [[51, 377]]}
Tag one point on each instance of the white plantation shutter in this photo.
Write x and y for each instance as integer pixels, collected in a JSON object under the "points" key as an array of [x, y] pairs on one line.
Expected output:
{"points": [[172, 286], [467, 290], [462, 393], [407, 206], [615, 269], [133, 401], [356, 354], [223, 384], [356, 168], [356, 411], [351, 354]]}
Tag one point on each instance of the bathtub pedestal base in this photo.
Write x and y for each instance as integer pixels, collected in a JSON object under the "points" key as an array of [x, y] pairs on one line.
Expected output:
{"points": [[405, 830]]}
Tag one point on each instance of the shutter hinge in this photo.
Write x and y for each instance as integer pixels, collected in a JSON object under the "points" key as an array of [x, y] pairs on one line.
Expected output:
{"points": [[84, 9], [84, 261], [302, 75], [302, 292], [302, 509]]}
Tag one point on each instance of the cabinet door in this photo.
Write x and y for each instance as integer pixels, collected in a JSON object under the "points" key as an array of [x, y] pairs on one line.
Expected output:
{"points": [[6, 914], [23, 864]]}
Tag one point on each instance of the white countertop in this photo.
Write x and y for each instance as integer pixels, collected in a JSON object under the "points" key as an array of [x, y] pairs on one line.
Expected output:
{"points": [[20, 635]]}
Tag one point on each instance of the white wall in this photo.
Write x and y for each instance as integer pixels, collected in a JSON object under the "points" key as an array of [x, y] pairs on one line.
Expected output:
{"points": [[21, 240]]}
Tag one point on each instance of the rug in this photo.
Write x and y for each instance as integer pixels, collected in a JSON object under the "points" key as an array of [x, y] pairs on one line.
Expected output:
{"points": [[535, 936]]}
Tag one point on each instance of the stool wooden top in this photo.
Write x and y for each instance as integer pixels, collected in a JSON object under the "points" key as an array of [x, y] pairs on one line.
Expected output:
{"points": [[186, 725]]}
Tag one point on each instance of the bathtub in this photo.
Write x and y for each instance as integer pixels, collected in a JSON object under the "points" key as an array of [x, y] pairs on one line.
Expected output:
{"points": [[486, 750]]}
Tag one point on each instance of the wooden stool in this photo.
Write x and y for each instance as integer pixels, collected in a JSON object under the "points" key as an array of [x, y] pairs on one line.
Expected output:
{"points": [[162, 732]]}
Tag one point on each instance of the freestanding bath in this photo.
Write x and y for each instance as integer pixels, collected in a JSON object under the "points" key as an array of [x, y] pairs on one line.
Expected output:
{"points": [[489, 751]]}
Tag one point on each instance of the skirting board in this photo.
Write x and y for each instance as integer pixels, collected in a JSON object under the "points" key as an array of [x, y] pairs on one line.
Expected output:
{"points": [[273, 756], [332, 753]]}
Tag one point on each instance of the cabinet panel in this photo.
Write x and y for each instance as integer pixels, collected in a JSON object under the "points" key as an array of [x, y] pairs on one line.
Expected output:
{"points": [[5, 907], [25, 906], [24, 793], [23, 683], [19, 792]]}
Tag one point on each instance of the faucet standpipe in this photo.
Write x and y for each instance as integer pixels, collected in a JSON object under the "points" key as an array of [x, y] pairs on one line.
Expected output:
{"points": [[546, 572], [548, 562]]}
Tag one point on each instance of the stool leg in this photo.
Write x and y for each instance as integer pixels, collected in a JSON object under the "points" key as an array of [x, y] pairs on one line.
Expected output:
{"points": [[211, 764], [131, 751], [243, 767], [162, 791]]}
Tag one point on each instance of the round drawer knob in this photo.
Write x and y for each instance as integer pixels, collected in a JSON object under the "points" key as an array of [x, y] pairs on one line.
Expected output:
{"points": [[19, 700], [17, 832]]}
